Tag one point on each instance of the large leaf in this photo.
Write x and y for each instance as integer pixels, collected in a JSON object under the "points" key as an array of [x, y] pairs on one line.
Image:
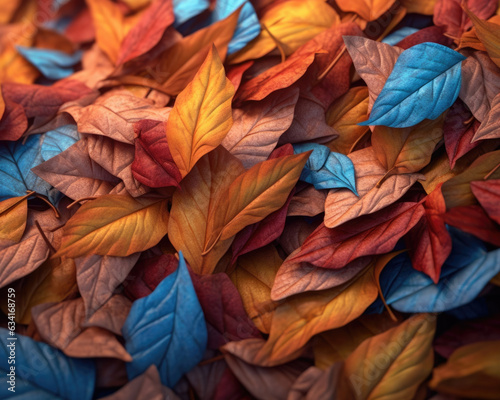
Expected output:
{"points": [[374, 191], [43, 372], [201, 116], [408, 359], [194, 201], [115, 225], [425, 81], [489, 126], [166, 329]]}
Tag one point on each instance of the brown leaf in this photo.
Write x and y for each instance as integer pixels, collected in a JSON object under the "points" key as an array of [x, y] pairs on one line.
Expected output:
{"points": [[489, 127], [343, 205], [99, 276], [308, 202], [257, 127], [112, 315], [315, 384]]}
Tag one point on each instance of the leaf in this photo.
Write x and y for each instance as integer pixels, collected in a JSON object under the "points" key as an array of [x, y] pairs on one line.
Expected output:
{"points": [[111, 315], [253, 277], [489, 126], [201, 116], [16, 161], [488, 33], [147, 32], [110, 26], [317, 384], [471, 371], [146, 385], [374, 62], [58, 140], [480, 84], [155, 333], [185, 10], [75, 174], [369, 10], [99, 276], [297, 319], [342, 205], [487, 193], [193, 202], [408, 96], [407, 150], [255, 194], [45, 372], [344, 115], [457, 192], [408, 360], [292, 23], [258, 126], [280, 76], [457, 133], [408, 290], [153, 163], [397, 36], [19, 259], [114, 225], [13, 214], [248, 23], [52, 64], [372, 234], [325, 169], [308, 202]]}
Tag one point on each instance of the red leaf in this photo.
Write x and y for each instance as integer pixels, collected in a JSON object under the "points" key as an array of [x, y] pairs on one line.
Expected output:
{"points": [[14, 122], [153, 164], [488, 195], [371, 234], [431, 34]]}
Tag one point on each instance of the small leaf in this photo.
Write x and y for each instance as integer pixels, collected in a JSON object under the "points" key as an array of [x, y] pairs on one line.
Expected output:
{"points": [[201, 116], [114, 225], [52, 64], [425, 81], [166, 329], [187, 9]]}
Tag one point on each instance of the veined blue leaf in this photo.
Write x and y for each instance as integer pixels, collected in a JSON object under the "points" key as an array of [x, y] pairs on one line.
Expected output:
{"points": [[326, 169], [43, 372], [464, 274], [424, 82], [248, 23], [186, 9], [16, 161], [52, 64], [166, 328], [58, 140], [396, 37]]}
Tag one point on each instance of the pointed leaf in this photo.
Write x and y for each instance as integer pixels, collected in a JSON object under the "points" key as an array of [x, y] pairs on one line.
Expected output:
{"points": [[425, 81], [166, 331], [368, 9], [489, 126]]}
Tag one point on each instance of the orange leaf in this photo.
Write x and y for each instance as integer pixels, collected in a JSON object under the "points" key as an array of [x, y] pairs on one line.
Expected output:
{"points": [[369, 10], [13, 214], [201, 116]]}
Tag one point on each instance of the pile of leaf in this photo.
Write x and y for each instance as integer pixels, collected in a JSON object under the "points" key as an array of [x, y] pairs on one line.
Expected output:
{"points": [[234, 199]]}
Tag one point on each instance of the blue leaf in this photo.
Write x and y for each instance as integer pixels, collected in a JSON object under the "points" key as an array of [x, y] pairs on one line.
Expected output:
{"points": [[325, 169], [396, 37], [42, 372], [464, 274], [52, 64], [58, 140], [167, 329], [16, 161], [425, 82], [248, 23], [187, 9]]}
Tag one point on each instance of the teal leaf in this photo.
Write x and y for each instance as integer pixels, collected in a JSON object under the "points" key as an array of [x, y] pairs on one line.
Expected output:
{"points": [[326, 169], [166, 328], [184, 10], [425, 82], [43, 372], [52, 64], [58, 140]]}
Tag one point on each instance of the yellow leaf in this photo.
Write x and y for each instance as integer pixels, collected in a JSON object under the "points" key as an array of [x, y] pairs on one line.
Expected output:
{"points": [[202, 115], [391, 365], [191, 204], [179, 64], [109, 26], [344, 116], [8, 9], [292, 23], [369, 10], [255, 194], [472, 371], [488, 33], [114, 225], [425, 7], [254, 277], [13, 214]]}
